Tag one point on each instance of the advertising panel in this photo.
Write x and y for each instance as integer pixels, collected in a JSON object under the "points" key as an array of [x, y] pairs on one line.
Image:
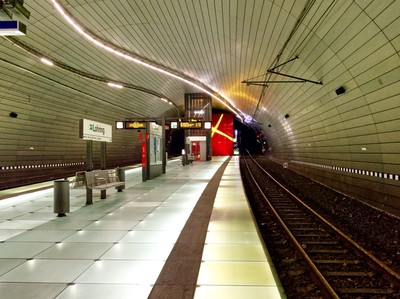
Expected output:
{"points": [[222, 135], [155, 144]]}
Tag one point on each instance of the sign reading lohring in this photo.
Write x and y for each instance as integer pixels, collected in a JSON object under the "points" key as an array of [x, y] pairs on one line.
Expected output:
{"points": [[92, 130]]}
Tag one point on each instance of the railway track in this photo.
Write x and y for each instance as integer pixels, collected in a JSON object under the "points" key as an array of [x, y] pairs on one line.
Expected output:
{"points": [[339, 267]]}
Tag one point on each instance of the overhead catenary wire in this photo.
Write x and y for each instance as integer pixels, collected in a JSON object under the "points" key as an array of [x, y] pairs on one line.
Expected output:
{"points": [[267, 75]]}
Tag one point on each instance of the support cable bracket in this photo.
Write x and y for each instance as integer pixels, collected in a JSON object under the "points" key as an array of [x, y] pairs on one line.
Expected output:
{"points": [[272, 71]]}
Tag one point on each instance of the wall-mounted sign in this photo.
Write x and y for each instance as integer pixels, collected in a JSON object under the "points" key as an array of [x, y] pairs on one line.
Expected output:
{"points": [[135, 124], [92, 130], [174, 125], [196, 138], [207, 125], [119, 125]]}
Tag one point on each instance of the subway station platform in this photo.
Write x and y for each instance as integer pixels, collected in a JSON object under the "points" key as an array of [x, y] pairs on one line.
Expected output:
{"points": [[130, 244]]}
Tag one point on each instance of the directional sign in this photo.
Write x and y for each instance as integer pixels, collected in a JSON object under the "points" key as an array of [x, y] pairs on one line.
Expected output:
{"points": [[12, 28]]}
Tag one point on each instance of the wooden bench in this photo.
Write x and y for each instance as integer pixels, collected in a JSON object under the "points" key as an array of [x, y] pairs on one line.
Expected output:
{"points": [[103, 179]]}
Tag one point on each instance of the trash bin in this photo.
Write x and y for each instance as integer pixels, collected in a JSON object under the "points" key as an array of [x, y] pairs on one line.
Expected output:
{"points": [[121, 178], [61, 197]]}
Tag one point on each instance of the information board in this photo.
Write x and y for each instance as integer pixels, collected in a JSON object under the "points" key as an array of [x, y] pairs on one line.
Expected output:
{"points": [[135, 124], [190, 125]]}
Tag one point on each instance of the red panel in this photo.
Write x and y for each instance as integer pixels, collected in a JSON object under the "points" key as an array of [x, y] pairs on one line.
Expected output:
{"points": [[222, 135], [196, 149]]}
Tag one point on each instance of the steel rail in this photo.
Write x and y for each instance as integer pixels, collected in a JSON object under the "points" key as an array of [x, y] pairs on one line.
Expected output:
{"points": [[387, 270], [326, 286]]}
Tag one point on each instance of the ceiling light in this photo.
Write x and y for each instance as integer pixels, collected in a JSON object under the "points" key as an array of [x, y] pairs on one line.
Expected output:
{"points": [[46, 61], [165, 100], [114, 85]]}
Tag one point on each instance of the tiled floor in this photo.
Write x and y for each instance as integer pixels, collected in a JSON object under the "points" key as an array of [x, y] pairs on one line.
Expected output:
{"points": [[234, 263], [117, 247]]}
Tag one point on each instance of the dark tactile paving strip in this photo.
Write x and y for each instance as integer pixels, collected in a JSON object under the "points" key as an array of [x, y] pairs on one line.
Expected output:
{"points": [[178, 277]]}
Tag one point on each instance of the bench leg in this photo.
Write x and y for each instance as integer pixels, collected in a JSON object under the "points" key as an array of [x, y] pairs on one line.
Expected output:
{"points": [[103, 194], [120, 188], [89, 196]]}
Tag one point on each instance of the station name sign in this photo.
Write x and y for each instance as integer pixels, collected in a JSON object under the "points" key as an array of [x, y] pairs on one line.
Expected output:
{"points": [[93, 130]]}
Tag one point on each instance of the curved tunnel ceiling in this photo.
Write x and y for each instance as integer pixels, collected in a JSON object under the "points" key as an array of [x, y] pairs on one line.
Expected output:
{"points": [[213, 46], [206, 46]]}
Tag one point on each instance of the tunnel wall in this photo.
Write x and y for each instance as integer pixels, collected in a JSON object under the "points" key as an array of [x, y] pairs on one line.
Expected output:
{"points": [[42, 142], [374, 188], [344, 133]]}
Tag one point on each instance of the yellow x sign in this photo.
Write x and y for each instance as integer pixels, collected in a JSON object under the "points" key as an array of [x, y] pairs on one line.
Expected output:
{"points": [[215, 130]]}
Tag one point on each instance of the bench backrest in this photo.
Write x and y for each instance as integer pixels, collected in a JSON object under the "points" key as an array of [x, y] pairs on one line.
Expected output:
{"points": [[99, 177], [80, 177], [113, 175], [79, 181]]}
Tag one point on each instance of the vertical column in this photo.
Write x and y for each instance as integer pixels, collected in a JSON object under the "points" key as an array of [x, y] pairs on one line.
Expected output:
{"points": [[103, 155], [163, 148], [143, 154], [209, 145], [89, 167], [147, 150]]}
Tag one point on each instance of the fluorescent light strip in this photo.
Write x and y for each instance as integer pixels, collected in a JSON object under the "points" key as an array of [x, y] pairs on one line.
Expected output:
{"points": [[46, 61], [128, 57], [50, 63], [114, 85]]}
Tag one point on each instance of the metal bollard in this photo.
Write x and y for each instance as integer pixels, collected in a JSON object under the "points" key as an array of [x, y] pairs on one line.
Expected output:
{"points": [[121, 178], [184, 162], [61, 197]]}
